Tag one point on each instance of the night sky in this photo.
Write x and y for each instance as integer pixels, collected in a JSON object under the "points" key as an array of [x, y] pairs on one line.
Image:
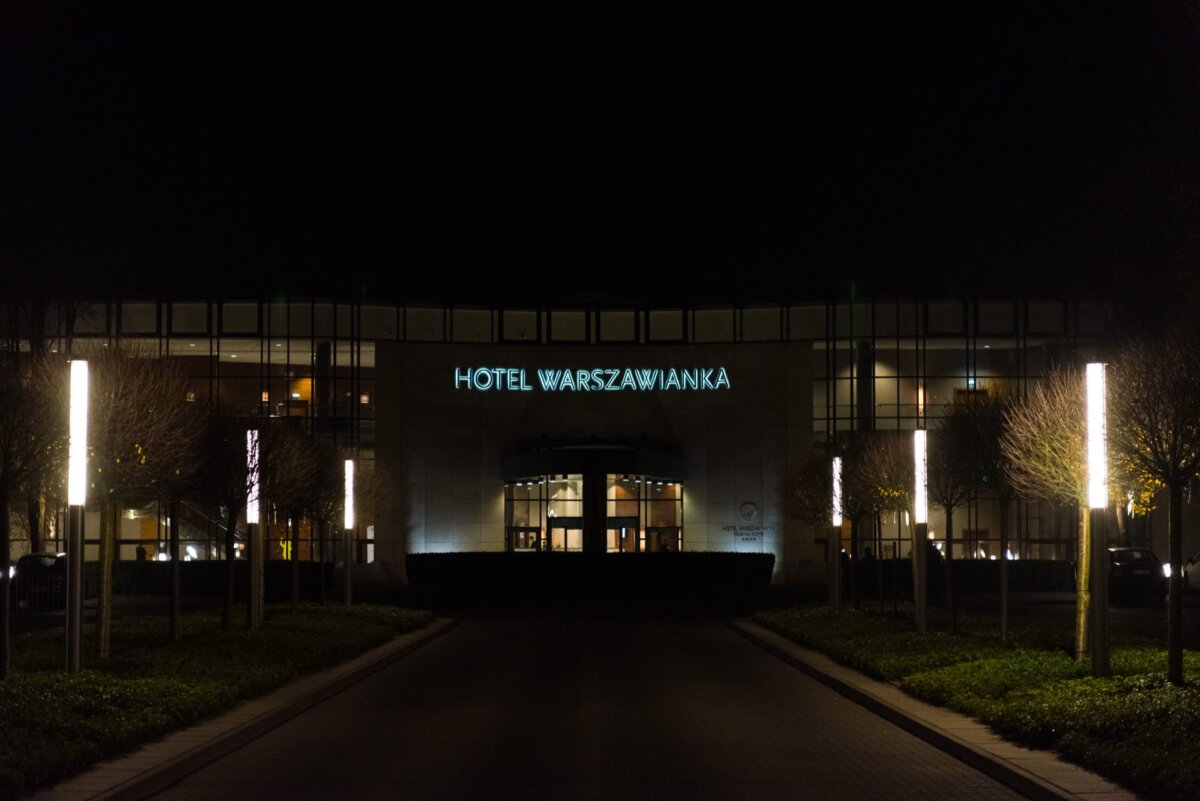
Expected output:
{"points": [[598, 153]]}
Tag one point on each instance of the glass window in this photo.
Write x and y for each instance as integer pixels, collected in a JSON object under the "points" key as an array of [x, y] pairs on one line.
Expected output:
{"points": [[666, 326], [618, 326], [711, 325], [91, 318], [139, 318], [564, 496], [379, 322], [519, 325], [945, 318], [995, 318], [568, 326], [1045, 318], [471, 325], [762, 325], [323, 321], [806, 322], [239, 318], [189, 318], [300, 319], [424, 325]]}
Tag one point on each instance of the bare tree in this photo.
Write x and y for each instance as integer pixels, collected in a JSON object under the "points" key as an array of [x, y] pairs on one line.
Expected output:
{"points": [[288, 473], [33, 428], [1045, 441], [140, 433], [953, 474], [994, 470], [324, 497], [882, 479], [1155, 433], [224, 480]]}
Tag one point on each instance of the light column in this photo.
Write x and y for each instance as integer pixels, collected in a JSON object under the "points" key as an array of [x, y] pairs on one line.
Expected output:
{"points": [[254, 607], [835, 538], [1097, 479], [348, 531], [920, 528], [77, 465]]}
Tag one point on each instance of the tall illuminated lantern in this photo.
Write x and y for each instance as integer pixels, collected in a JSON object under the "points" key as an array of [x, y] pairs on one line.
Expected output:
{"points": [[1095, 392], [254, 609], [835, 537], [77, 469], [348, 531], [920, 527]]}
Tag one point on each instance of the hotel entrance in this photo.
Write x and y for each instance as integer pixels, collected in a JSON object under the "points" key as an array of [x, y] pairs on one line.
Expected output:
{"points": [[595, 510]]}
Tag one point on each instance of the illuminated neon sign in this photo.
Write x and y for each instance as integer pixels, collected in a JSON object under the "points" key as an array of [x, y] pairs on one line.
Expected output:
{"points": [[628, 379]]}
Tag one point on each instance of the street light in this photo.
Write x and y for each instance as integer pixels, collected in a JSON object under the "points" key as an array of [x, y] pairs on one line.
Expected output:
{"points": [[921, 528], [835, 538], [1097, 488], [348, 531], [254, 609], [77, 466]]}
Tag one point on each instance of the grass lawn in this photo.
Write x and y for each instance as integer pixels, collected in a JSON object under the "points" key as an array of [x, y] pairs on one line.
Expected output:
{"points": [[55, 723], [1134, 728]]}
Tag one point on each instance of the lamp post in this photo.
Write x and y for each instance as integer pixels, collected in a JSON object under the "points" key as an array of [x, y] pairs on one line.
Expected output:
{"points": [[921, 527], [835, 538], [254, 607], [348, 532], [1097, 483], [77, 465]]}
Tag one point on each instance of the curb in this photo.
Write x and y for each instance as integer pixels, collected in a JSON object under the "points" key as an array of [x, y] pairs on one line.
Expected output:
{"points": [[1027, 783], [280, 705]]}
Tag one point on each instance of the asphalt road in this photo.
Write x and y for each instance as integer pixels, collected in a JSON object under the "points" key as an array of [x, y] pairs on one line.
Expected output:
{"points": [[587, 707]]}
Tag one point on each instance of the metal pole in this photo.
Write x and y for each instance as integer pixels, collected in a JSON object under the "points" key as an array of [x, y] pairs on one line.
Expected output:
{"points": [[1099, 582], [920, 590], [255, 602], [348, 538], [74, 587], [176, 575], [835, 568]]}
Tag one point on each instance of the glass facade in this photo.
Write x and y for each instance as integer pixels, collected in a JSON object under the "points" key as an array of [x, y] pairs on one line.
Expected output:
{"points": [[877, 366]]}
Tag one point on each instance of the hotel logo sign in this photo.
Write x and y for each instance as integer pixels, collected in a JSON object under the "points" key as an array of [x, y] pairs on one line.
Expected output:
{"points": [[627, 379]]}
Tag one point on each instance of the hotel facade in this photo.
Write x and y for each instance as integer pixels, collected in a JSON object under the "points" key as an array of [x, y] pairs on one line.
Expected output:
{"points": [[590, 429]]}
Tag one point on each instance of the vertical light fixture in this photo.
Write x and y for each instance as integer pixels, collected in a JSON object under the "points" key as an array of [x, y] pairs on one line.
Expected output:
{"points": [[837, 492], [1097, 434], [77, 475], [252, 482], [348, 504], [921, 478], [348, 531], [1097, 488], [77, 449]]}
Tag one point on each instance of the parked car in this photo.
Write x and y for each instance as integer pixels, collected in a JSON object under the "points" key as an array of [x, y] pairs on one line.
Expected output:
{"points": [[1191, 574], [1136, 574], [40, 581]]}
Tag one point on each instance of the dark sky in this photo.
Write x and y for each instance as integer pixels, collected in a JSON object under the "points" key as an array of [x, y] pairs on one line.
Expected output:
{"points": [[436, 151]]}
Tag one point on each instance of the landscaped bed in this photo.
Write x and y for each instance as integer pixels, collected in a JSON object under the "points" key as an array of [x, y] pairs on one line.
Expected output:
{"points": [[1134, 728], [53, 724]]}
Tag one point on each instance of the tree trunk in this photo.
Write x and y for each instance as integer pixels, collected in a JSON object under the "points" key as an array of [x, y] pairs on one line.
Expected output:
{"points": [[295, 562], [230, 552], [951, 609], [1175, 586], [176, 627], [1004, 504], [109, 511], [1083, 595], [35, 513], [5, 590]]}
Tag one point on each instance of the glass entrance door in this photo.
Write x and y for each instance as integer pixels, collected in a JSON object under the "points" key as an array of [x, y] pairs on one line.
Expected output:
{"points": [[662, 538], [566, 533], [622, 534]]}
